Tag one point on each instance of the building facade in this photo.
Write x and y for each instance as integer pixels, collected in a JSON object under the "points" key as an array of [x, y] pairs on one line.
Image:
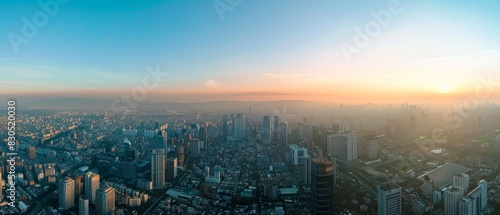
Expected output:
{"points": [[389, 199], [92, 183], [322, 186], [158, 168], [105, 201], [66, 193]]}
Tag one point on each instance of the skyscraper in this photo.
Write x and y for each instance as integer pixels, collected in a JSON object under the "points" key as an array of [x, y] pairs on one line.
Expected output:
{"points": [[66, 193], [389, 199], [91, 182], [451, 197], [461, 180], [478, 198], [105, 201], [483, 186], [203, 136], [78, 185], [466, 206], [306, 166], [83, 206], [158, 168], [31, 152], [297, 154], [266, 130], [283, 134], [224, 127], [427, 187], [316, 137], [194, 146], [164, 135], [276, 128], [322, 186], [171, 168], [239, 127], [345, 146], [372, 148]]}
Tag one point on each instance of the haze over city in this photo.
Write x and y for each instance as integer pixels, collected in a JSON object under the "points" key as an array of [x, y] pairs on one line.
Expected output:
{"points": [[253, 107]]}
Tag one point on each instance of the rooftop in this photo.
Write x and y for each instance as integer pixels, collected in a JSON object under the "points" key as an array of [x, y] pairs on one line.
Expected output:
{"points": [[443, 175], [321, 160]]}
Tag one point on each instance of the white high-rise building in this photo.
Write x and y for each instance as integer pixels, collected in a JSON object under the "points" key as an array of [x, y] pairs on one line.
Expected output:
{"points": [[478, 199], [297, 153], [389, 199], [344, 146], [452, 196], [461, 180], [91, 183], [66, 193], [83, 206], [483, 186], [105, 201], [158, 163], [465, 206]]}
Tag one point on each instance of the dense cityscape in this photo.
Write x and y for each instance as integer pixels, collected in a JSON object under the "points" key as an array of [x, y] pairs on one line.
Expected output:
{"points": [[254, 158], [249, 107]]}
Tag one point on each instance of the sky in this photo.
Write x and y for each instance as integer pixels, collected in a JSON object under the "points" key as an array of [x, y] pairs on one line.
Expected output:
{"points": [[342, 50]]}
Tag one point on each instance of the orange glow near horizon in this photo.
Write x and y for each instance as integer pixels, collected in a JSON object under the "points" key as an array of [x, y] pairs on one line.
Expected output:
{"points": [[321, 93]]}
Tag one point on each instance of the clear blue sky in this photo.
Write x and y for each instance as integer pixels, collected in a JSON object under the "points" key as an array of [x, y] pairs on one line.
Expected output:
{"points": [[95, 44]]}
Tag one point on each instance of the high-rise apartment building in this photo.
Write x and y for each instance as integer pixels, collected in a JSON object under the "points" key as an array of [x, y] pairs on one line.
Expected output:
{"points": [[31, 152], [344, 146], [92, 183], [78, 185], [461, 180], [452, 196], [389, 199], [297, 153], [158, 161], [83, 206], [66, 193], [372, 148], [105, 201]]}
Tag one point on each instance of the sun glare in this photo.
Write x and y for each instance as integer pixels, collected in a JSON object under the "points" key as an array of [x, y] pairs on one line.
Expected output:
{"points": [[444, 88]]}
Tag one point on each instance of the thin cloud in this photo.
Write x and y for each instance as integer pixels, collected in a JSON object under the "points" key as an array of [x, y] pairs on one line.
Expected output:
{"points": [[211, 83]]}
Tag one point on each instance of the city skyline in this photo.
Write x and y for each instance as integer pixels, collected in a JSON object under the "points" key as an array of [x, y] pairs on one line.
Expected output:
{"points": [[252, 51], [250, 107]]}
